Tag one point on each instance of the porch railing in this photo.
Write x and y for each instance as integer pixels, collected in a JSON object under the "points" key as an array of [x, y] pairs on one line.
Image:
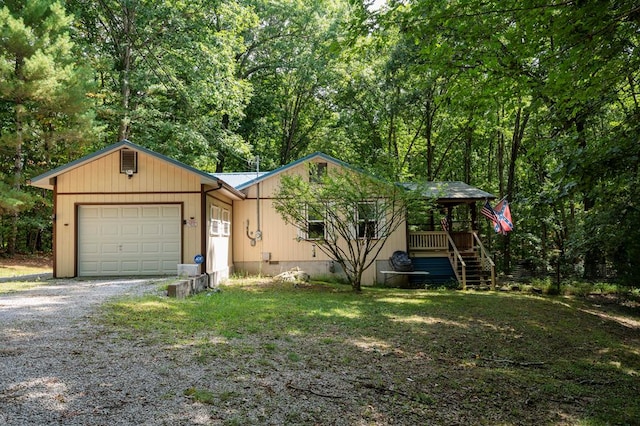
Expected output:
{"points": [[457, 262], [485, 260], [428, 241]]}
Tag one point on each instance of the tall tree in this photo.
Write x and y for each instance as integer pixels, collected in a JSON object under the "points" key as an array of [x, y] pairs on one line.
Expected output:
{"points": [[42, 90]]}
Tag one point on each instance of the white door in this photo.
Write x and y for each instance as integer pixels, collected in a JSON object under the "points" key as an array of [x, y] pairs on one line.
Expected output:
{"points": [[129, 239]]}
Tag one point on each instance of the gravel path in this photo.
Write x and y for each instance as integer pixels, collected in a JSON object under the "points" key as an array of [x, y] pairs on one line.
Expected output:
{"points": [[58, 367]]}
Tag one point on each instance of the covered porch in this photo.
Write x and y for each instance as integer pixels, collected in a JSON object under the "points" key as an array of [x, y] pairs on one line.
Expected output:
{"points": [[449, 234]]}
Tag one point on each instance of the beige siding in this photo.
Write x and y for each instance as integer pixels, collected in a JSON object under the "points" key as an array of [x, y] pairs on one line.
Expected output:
{"points": [[280, 239], [100, 182]]}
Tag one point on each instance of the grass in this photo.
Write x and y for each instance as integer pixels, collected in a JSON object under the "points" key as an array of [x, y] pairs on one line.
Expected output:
{"points": [[25, 265], [410, 357], [12, 287], [17, 270]]}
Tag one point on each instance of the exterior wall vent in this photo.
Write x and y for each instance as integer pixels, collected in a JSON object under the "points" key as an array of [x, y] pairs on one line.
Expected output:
{"points": [[128, 162]]}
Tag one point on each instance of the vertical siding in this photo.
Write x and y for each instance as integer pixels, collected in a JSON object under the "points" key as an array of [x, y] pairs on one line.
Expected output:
{"points": [[100, 182], [279, 238]]}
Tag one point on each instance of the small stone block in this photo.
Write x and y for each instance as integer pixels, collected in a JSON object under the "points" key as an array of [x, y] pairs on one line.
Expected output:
{"points": [[179, 290]]}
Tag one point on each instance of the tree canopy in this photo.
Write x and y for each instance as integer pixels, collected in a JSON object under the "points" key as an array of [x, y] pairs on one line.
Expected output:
{"points": [[533, 100]]}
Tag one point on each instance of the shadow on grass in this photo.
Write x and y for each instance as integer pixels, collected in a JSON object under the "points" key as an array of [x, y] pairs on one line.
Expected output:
{"points": [[480, 357]]}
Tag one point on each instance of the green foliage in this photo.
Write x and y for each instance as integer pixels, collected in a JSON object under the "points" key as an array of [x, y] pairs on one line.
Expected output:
{"points": [[535, 101], [200, 395], [44, 110], [357, 213]]}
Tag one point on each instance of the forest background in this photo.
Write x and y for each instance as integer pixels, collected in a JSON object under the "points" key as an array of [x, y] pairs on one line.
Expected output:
{"points": [[533, 100]]}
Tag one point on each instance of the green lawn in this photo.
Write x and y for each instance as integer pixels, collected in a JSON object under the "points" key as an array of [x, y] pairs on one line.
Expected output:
{"points": [[14, 271], [389, 356]]}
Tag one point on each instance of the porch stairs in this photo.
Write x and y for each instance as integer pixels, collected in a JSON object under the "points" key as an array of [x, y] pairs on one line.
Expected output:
{"points": [[476, 276]]}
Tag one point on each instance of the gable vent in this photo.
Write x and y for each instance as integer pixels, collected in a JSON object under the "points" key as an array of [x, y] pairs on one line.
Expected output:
{"points": [[128, 161]]}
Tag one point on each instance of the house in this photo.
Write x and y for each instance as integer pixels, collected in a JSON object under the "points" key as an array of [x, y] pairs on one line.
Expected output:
{"points": [[265, 244], [126, 210]]}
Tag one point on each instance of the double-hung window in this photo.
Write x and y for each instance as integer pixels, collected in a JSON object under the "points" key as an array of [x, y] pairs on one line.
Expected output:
{"points": [[315, 225], [368, 219]]}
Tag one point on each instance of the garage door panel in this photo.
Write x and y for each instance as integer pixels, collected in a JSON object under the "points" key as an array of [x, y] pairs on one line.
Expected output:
{"points": [[130, 229], [89, 267], [130, 266], [151, 229], [130, 248], [151, 247], [89, 248], [108, 267], [170, 229], [107, 248], [151, 265], [108, 230], [170, 211], [130, 212], [169, 247], [153, 212], [109, 212], [129, 239]]}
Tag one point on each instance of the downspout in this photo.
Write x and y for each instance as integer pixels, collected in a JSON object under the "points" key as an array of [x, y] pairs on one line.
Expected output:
{"points": [[256, 236]]}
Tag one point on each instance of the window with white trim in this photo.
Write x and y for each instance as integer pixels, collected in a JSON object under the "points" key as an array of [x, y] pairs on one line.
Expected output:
{"points": [[315, 226], [215, 225], [368, 219]]}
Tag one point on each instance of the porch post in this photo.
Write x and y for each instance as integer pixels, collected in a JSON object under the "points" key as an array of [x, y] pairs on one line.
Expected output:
{"points": [[474, 216]]}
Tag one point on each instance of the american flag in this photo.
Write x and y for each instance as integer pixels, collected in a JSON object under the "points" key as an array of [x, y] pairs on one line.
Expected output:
{"points": [[489, 213], [444, 223]]}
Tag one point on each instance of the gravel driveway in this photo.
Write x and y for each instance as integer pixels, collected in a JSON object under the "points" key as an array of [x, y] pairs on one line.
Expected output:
{"points": [[58, 367]]}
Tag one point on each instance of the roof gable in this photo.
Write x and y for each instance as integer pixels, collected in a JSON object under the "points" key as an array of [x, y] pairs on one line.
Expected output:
{"points": [[268, 175], [45, 180]]}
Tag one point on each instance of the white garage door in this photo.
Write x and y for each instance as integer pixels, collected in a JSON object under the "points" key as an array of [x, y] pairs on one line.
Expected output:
{"points": [[129, 239]]}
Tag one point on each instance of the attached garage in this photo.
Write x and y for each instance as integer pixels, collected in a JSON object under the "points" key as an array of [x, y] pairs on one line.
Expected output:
{"points": [[126, 211], [129, 239]]}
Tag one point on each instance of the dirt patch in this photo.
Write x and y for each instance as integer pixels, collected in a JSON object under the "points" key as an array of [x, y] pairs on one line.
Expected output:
{"points": [[42, 260]]}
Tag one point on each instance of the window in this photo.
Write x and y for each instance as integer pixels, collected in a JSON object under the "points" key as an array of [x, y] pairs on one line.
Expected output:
{"points": [[315, 226], [215, 227], [128, 161], [226, 223], [317, 171], [368, 220]]}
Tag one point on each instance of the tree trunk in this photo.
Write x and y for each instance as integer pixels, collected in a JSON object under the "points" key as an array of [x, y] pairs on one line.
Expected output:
{"points": [[593, 256], [125, 86], [516, 141], [18, 165]]}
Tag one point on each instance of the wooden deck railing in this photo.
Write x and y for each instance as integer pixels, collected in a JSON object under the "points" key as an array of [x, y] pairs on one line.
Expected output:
{"points": [[457, 262], [436, 240], [485, 260]]}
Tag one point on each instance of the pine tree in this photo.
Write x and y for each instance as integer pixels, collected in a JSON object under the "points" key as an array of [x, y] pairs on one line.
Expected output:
{"points": [[42, 95]]}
